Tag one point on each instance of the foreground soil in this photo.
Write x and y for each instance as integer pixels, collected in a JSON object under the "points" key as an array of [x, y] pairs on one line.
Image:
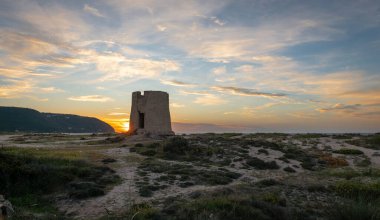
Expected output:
{"points": [[208, 176]]}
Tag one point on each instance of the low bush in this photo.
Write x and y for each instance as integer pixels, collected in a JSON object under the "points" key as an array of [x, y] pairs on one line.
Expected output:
{"points": [[263, 151], [289, 170], [348, 151], [262, 165], [273, 198], [148, 153], [354, 210], [334, 162], [267, 182], [355, 189], [24, 176], [140, 211], [349, 173], [176, 145], [231, 205], [139, 145], [187, 174]]}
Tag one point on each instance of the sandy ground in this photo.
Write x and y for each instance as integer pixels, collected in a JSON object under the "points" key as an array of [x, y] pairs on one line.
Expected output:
{"points": [[116, 200], [122, 196]]}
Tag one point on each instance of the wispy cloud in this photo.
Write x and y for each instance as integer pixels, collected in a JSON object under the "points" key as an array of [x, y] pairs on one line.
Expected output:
{"points": [[118, 114], [340, 107], [51, 89], [15, 89], [90, 98], [115, 66], [219, 70], [188, 92], [245, 91], [177, 105], [92, 10], [177, 83], [210, 99]]}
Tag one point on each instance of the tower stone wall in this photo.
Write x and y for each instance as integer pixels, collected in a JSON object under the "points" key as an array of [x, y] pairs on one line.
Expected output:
{"points": [[150, 113]]}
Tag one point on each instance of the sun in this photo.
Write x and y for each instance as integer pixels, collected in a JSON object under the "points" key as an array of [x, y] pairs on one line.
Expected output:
{"points": [[125, 126]]}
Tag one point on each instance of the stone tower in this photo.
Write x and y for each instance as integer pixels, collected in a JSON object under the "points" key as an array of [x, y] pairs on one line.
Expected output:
{"points": [[150, 113]]}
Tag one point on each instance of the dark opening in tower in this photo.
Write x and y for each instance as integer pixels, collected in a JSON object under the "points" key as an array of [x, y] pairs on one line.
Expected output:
{"points": [[141, 120]]}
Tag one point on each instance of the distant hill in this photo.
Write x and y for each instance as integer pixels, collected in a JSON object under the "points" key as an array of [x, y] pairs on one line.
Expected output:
{"points": [[29, 120]]}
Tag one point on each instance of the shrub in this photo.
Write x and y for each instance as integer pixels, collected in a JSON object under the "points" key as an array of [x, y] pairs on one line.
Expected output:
{"points": [[274, 198], [289, 170], [148, 153], [261, 165], [363, 162], [353, 210], [154, 145], [147, 190], [354, 189], [334, 161], [348, 151], [141, 211], [139, 145], [24, 174], [227, 205], [308, 163], [263, 151], [188, 173], [268, 182], [176, 145], [219, 208], [28, 179]]}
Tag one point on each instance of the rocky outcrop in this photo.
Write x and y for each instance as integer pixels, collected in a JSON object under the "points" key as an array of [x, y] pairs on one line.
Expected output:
{"points": [[6, 209]]}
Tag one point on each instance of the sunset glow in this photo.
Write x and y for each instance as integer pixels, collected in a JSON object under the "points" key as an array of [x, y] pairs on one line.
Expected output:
{"points": [[265, 66], [126, 126]]}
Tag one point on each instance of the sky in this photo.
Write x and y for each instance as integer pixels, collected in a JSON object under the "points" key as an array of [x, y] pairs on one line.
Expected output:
{"points": [[228, 65]]}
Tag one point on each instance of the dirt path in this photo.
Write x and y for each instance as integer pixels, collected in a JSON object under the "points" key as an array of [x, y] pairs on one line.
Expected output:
{"points": [[116, 200]]}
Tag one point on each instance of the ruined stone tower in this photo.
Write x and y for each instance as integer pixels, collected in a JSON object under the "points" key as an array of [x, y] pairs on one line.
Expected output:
{"points": [[150, 113]]}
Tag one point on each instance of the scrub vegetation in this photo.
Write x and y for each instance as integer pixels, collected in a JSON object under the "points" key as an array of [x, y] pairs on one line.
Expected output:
{"points": [[198, 176]]}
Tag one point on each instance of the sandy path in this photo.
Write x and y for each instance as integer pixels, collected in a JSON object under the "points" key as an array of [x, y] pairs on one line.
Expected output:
{"points": [[116, 200]]}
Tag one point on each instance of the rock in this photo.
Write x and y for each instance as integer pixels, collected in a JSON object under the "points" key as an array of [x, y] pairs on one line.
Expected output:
{"points": [[6, 208]]}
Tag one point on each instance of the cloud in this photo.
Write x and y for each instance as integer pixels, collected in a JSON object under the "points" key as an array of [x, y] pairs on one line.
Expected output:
{"points": [[31, 56], [369, 110], [228, 113], [93, 11], [341, 107], [115, 66], [18, 88], [245, 92], [219, 70], [118, 114], [50, 89], [90, 98], [217, 21], [15, 89], [180, 127], [246, 69], [177, 105], [177, 83], [370, 114], [210, 99], [188, 92], [161, 27], [55, 20]]}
